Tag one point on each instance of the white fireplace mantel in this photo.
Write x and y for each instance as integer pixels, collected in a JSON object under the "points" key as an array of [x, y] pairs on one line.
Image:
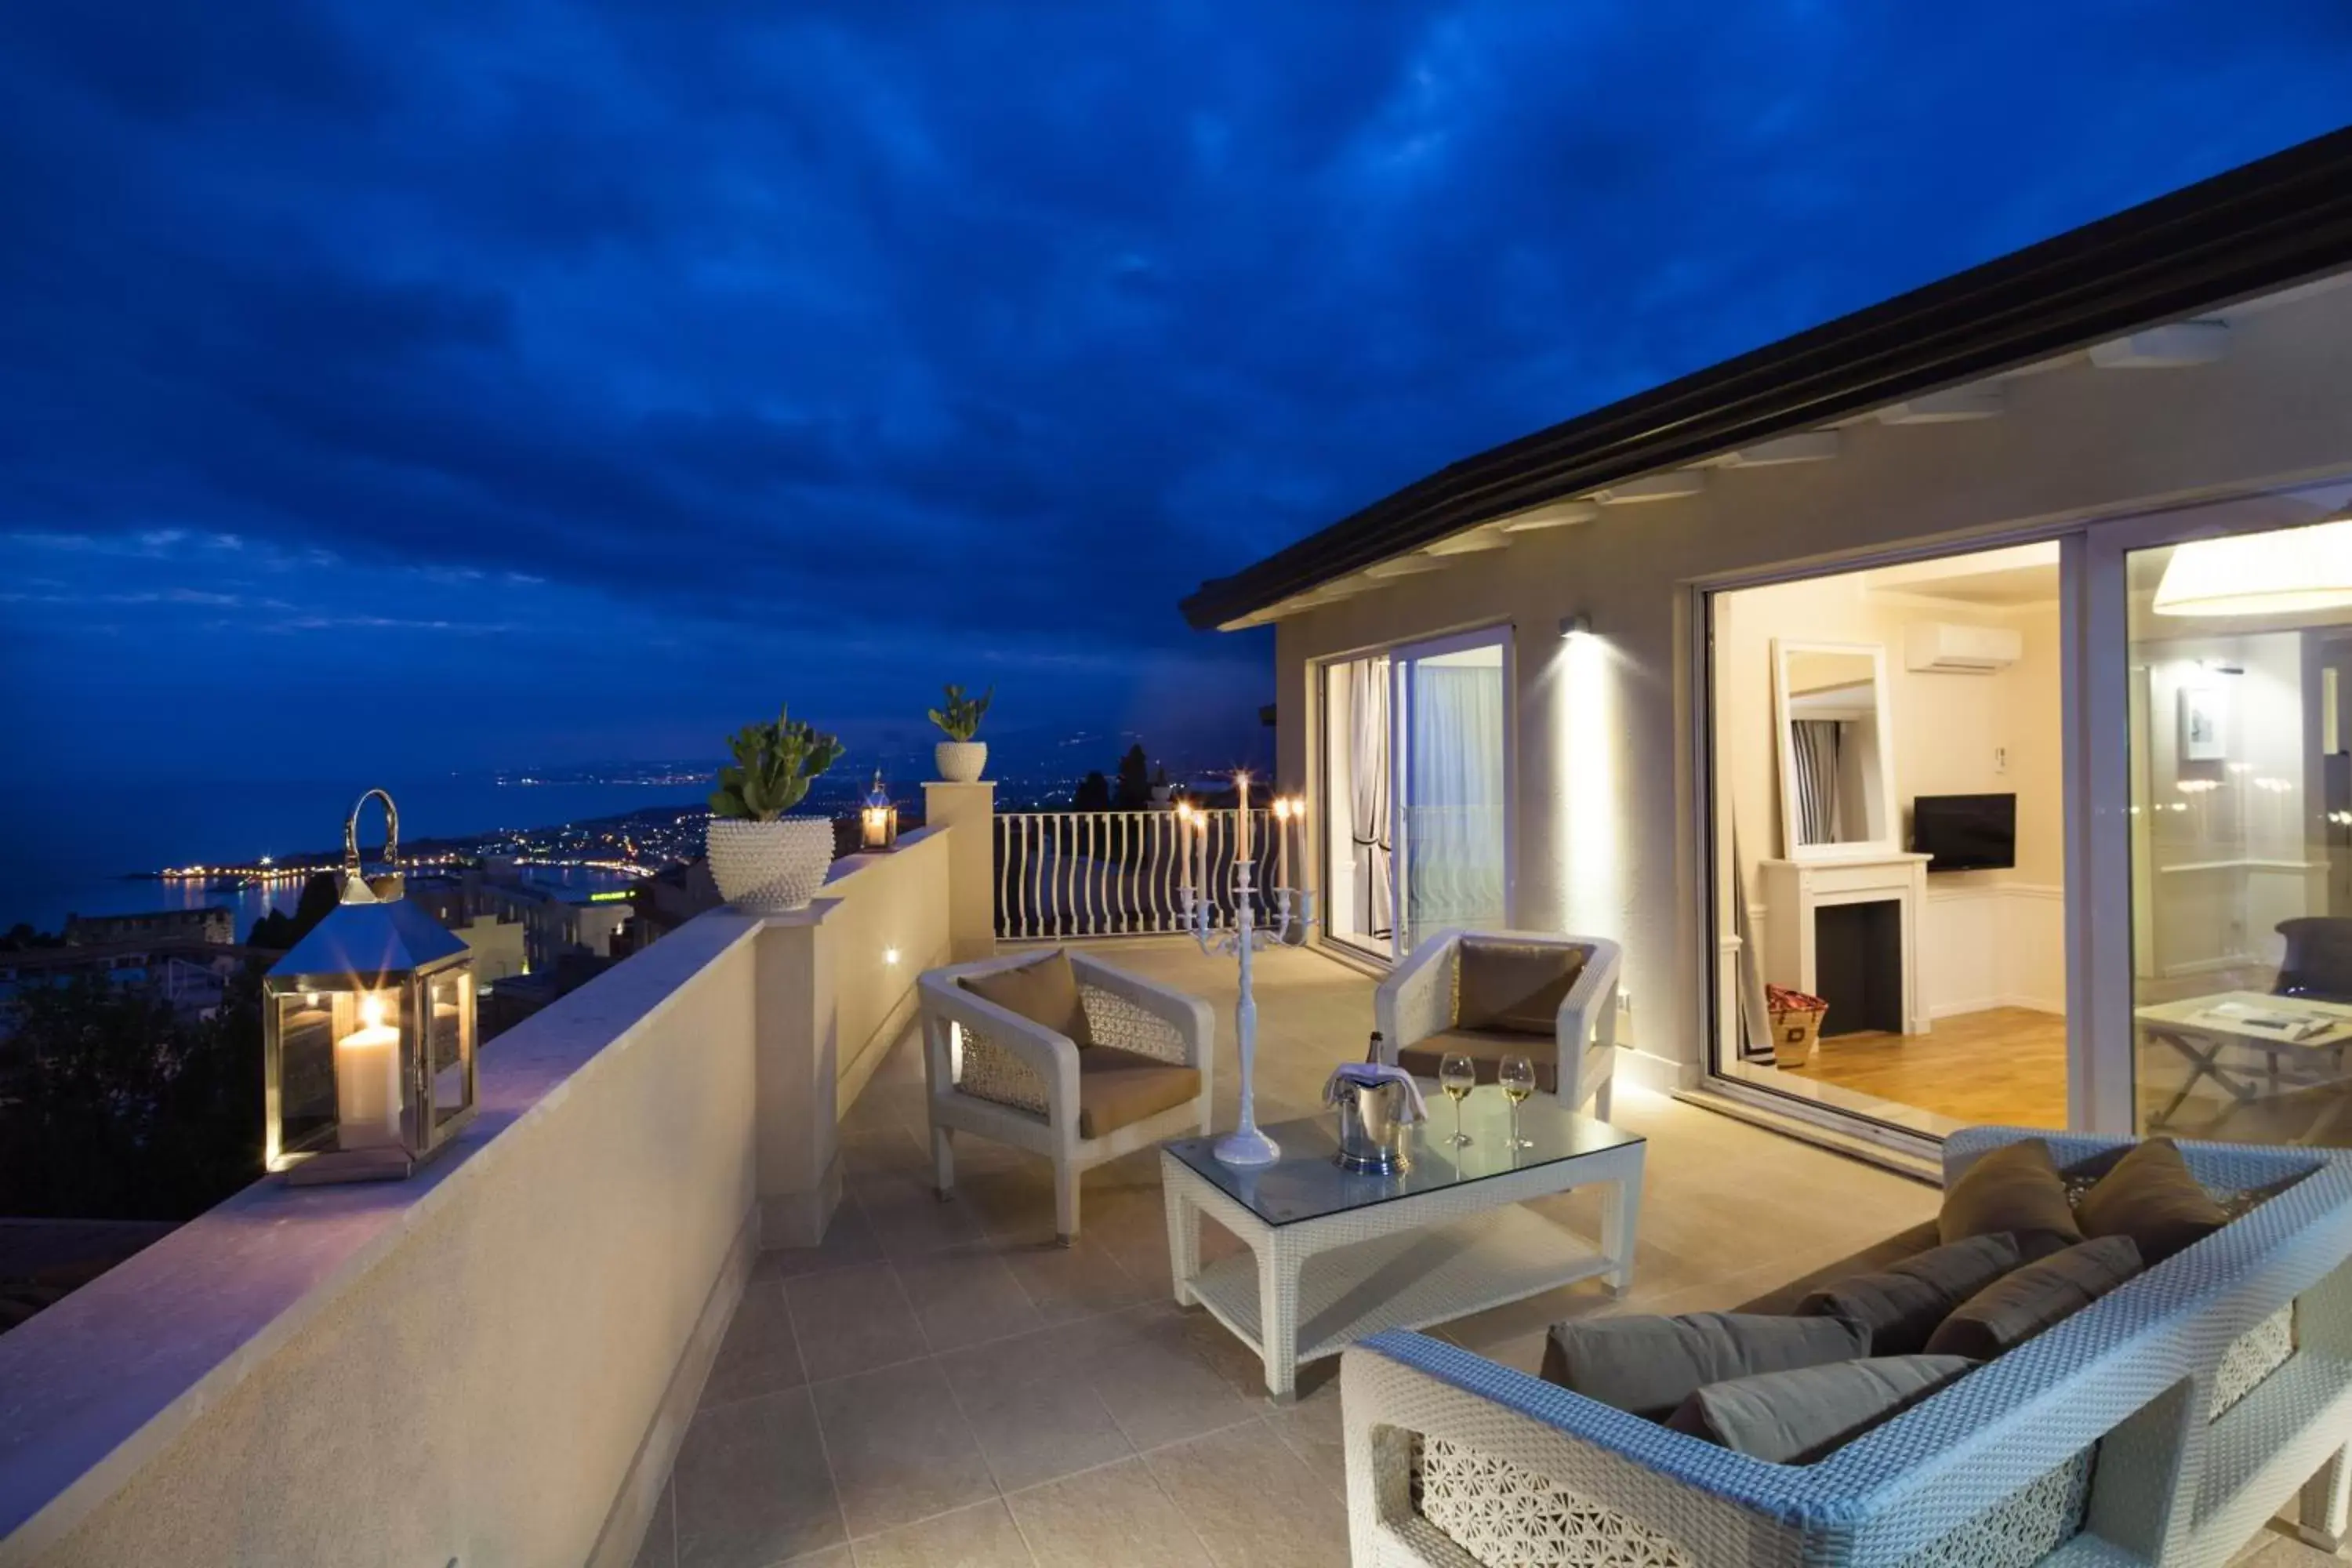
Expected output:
{"points": [[1794, 890]]}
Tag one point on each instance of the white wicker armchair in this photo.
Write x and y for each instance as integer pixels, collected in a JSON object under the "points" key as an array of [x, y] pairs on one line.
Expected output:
{"points": [[994, 1073], [2163, 1424], [1417, 1003]]}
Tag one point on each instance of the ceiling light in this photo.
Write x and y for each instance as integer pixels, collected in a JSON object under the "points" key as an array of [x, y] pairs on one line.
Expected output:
{"points": [[2282, 571]]}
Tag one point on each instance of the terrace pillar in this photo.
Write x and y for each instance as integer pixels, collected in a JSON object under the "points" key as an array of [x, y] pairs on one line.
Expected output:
{"points": [[970, 811], [797, 1039]]}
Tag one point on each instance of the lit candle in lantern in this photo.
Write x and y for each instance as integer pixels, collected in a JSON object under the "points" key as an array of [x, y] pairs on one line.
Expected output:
{"points": [[367, 1079]]}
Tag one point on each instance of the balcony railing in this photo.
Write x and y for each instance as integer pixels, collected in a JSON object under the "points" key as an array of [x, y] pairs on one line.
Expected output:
{"points": [[1114, 873]]}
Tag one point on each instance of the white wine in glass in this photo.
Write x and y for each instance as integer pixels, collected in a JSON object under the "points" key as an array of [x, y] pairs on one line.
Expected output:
{"points": [[1517, 1077], [1457, 1075]]}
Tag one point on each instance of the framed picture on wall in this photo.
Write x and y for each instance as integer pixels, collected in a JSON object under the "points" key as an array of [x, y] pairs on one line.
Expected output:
{"points": [[2203, 711]]}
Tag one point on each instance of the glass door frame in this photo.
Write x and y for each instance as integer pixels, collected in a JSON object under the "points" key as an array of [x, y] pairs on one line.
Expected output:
{"points": [[2106, 1056], [1501, 633], [2094, 1089], [1401, 657]]}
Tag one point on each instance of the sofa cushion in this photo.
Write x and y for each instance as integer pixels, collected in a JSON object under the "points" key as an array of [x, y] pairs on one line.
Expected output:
{"points": [[2150, 1196], [1901, 1305], [1796, 1418], [1649, 1364], [2020, 1305], [1044, 991], [1117, 1087], [2014, 1189], [1513, 985], [1784, 1300], [1485, 1048]]}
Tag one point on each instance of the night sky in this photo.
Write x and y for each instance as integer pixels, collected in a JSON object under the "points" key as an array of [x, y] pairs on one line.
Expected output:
{"points": [[498, 384]]}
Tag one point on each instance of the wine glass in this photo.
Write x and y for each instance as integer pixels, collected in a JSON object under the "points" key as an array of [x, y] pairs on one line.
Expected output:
{"points": [[1517, 1077], [1457, 1075]]}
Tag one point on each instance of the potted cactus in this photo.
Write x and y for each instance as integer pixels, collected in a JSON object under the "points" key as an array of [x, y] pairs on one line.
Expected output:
{"points": [[763, 860], [960, 758]]}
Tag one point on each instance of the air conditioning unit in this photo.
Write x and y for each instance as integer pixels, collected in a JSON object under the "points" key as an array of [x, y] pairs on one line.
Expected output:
{"points": [[1939, 648]]}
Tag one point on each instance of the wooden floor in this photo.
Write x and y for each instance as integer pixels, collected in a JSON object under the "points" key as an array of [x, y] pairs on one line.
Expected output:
{"points": [[2003, 1065]]}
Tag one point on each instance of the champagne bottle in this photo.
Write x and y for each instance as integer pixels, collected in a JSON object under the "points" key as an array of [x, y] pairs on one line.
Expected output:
{"points": [[1372, 1052]]}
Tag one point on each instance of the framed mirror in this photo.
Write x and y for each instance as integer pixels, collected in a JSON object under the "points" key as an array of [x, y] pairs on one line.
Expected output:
{"points": [[1837, 766]]}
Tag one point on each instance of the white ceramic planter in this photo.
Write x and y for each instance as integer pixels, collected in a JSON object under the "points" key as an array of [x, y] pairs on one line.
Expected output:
{"points": [[961, 761], [769, 868]]}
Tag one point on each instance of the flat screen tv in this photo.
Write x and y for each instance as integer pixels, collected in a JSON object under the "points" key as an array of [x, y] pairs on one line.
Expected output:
{"points": [[1965, 832]]}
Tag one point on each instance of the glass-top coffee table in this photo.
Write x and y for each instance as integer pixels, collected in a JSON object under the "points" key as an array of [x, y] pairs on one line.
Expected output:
{"points": [[1336, 1255]]}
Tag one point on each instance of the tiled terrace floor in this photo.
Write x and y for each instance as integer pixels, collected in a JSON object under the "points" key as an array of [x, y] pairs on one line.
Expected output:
{"points": [[939, 1384]]}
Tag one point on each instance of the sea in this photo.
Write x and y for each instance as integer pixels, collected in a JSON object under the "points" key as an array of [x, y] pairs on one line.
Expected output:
{"points": [[69, 850]]}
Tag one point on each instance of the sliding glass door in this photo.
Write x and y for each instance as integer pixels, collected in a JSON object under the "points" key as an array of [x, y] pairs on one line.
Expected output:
{"points": [[1450, 701], [1416, 791]]}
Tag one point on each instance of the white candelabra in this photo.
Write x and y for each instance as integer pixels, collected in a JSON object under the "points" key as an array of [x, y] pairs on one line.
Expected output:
{"points": [[1245, 1146]]}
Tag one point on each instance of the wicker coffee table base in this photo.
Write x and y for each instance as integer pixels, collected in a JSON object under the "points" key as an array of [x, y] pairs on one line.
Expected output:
{"points": [[1312, 1288]]}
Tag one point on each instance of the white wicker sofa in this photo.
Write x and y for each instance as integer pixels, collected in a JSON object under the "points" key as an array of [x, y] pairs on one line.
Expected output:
{"points": [[2162, 1424], [998, 1075]]}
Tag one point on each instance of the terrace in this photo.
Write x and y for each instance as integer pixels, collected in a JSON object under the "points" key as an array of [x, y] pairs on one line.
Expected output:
{"points": [[585, 1336]]}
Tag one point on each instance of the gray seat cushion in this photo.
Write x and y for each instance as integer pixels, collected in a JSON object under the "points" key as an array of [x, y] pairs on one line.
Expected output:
{"points": [[1903, 1304], [1650, 1365], [1795, 1417], [2020, 1305], [2014, 1189], [2150, 1196], [1499, 984]]}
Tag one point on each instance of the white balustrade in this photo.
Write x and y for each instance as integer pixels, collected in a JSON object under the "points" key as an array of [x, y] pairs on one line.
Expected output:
{"points": [[1115, 873]]}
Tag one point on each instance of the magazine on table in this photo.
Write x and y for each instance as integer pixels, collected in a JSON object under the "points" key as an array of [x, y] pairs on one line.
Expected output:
{"points": [[2284, 1023]]}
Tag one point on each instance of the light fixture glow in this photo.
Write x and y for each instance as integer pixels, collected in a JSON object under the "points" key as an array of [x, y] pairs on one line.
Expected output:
{"points": [[2282, 571], [891, 955], [1579, 624]]}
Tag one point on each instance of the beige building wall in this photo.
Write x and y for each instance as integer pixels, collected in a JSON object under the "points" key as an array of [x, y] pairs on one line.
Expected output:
{"points": [[1604, 835]]}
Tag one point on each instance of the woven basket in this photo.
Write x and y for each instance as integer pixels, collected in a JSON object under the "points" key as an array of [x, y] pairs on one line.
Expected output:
{"points": [[1796, 1025]]}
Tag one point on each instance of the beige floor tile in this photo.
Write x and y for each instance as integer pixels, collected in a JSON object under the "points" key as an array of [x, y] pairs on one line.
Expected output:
{"points": [[1076, 1281], [759, 1354], [1151, 1380], [848, 1240], [966, 1296], [751, 1487], [1313, 1429], [980, 1536], [910, 1218], [1116, 1514], [1252, 1502], [659, 1548], [1034, 1417], [899, 1448], [832, 1557], [852, 1320]]}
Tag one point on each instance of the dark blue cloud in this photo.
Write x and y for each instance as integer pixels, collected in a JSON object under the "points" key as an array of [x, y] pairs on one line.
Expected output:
{"points": [[605, 372]]}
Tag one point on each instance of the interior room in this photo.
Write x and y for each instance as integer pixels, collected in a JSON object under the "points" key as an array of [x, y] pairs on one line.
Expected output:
{"points": [[2241, 673], [1890, 839]]}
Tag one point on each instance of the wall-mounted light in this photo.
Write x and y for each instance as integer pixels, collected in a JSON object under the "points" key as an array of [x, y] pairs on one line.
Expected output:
{"points": [[1579, 624], [890, 956]]}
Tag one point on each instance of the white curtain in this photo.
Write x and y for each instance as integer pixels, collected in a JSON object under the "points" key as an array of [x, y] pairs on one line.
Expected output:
{"points": [[1816, 744], [1368, 804], [1454, 796]]}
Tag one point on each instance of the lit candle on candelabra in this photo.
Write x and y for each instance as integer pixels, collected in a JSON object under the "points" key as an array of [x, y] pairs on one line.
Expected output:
{"points": [[1242, 820], [1184, 846], [1282, 809]]}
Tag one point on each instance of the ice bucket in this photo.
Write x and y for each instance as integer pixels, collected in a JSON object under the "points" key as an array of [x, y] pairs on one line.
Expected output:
{"points": [[1376, 1123]]}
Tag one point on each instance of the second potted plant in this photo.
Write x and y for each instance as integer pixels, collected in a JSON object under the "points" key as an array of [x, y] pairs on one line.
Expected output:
{"points": [[764, 861], [960, 758]]}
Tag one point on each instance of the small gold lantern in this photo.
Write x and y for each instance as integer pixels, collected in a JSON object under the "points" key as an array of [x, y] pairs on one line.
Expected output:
{"points": [[368, 1032], [877, 820]]}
